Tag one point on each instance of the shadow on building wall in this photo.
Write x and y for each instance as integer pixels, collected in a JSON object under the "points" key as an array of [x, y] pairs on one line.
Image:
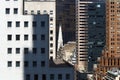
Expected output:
{"points": [[36, 55]]}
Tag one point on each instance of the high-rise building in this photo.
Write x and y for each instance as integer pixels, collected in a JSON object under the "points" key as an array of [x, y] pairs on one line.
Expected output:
{"points": [[65, 15], [111, 54], [41, 8], [24, 39], [90, 32]]}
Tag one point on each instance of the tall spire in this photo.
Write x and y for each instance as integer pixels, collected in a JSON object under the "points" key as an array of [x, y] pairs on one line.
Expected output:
{"points": [[60, 38]]}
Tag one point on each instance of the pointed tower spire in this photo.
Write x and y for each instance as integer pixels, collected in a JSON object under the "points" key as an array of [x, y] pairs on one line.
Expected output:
{"points": [[60, 38]]}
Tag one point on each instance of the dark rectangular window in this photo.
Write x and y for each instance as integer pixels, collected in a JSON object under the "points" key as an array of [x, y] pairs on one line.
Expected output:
{"points": [[26, 50], [25, 37], [32, 11], [9, 37], [67, 76], [51, 76], [51, 32], [51, 44], [34, 37], [34, 64], [34, 24], [43, 77], [34, 50], [36, 77], [38, 12], [17, 23], [42, 23], [9, 63], [51, 51], [26, 24], [42, 50], [17, 50], [27, 77], [59, 76], [15, 10], [9, 24], [17, 37], [17, 63], [42, 37], [51, 38], [26, 64], [42, 63], [9, 50], [51, 58], [51, 19], [7, 11]]}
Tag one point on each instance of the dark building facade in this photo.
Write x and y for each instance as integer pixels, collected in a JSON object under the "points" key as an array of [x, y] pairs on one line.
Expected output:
{"points": [[65, 15]]}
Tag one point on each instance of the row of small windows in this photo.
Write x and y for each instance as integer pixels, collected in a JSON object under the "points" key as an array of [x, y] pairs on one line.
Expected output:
{"points": [[26, 64], [26, 50], [52, 77], [38, 12], [26, 24], [26, 37], [15, 11]]}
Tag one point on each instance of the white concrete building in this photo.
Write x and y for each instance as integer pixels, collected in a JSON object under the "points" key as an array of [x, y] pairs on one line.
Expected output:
{"points": [[45, 7], [24, 51]]}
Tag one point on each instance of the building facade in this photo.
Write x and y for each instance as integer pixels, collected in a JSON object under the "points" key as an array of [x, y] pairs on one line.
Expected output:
{"points": [[110, 56], [25, 45], [90, 32], [65, 16], [45, 7]]}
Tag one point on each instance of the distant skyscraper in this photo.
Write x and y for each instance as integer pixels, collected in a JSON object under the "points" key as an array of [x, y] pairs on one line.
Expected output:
{"points": [[90, 32], [65, 15], [111, 54]]}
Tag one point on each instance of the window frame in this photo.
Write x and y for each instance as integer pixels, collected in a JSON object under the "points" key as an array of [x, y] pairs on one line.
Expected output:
{"points": [[9, 23], [17, 37], [9, 64], [15, 11], [17, 63], [9, 37], [9, 50], [17, 50], [7, 10], [26, 37]]}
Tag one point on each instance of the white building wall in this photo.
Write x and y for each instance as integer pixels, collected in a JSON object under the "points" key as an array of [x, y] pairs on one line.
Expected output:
{"points": [[13, 72], [18, 73], [47, 6]]}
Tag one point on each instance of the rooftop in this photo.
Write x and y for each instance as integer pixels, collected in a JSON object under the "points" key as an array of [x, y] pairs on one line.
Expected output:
{"points": [[70, 46], [59, 63]]}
